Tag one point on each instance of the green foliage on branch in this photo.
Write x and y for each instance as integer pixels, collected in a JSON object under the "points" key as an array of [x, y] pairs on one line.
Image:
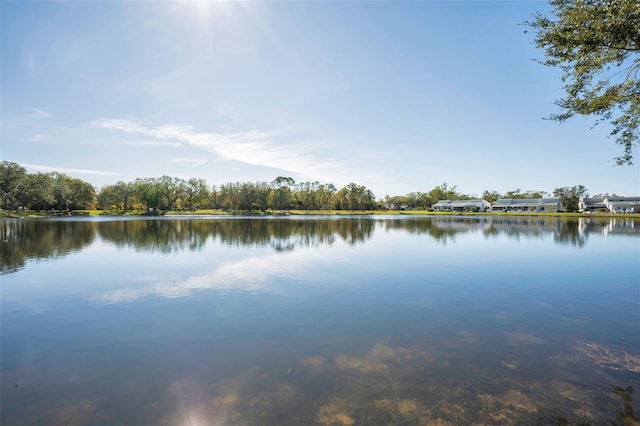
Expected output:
{"points": [[570, 196], [596, 44], [42, 191]]}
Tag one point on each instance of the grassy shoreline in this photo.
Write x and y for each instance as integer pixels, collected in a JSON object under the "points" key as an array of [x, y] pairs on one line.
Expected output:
{"points": [[5, 214]]}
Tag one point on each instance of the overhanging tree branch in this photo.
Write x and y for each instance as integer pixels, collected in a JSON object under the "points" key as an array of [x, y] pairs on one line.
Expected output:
{"points": [[589, 40]]}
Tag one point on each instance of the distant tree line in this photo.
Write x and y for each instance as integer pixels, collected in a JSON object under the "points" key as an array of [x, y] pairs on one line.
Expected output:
{"points": [[282, 194], [42, 191], [46, 191], [57, 191]]}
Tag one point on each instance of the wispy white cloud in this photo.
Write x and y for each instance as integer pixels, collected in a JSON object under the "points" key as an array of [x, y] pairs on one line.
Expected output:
{"points": [[255, 147], [43, 168], [122, 124], [39, 113]]}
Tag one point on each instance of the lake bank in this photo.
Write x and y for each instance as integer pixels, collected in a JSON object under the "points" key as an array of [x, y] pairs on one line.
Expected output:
{"points": [[5, 214]]}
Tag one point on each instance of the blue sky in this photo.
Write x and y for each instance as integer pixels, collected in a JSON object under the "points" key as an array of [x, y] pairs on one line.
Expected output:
{"points": [[396, 96]]}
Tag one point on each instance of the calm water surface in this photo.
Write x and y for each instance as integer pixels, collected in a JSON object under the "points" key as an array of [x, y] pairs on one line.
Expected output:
{"points": [[330, 321]]}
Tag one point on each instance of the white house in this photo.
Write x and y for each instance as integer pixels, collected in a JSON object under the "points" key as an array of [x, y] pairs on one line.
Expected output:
{"points": [[527, 205], [476, 205], [622, 204], [587, 205]]}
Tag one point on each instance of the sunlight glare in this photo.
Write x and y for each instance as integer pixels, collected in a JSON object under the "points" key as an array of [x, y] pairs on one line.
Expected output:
{"points": [[206, 12], [212, 20]]}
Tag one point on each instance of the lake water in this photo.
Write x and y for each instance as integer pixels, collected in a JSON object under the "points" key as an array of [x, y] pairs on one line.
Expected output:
{"points": [[312, 320]]}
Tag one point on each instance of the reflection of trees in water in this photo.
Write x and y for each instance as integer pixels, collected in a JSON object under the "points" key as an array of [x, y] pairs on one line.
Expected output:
{"points": [[442, 228], [564, 231], [354, 230], [522, 227], [36, 239], [606, 226], [39, 239], [153, 235], [192, 234], [573, 231], [569, 233]]}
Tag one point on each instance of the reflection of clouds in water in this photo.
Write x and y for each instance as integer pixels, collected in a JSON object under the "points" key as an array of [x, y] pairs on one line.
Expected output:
{"points": [[254, 274], [578, 320], [313, 362], [509, 365], [522, 338], [467, 338]]}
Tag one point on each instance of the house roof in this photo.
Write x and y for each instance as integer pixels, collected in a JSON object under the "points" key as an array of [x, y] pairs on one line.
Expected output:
{"points": [[625, 203], [460, 203], [623, 199], [527, 201], [592, 201]]}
